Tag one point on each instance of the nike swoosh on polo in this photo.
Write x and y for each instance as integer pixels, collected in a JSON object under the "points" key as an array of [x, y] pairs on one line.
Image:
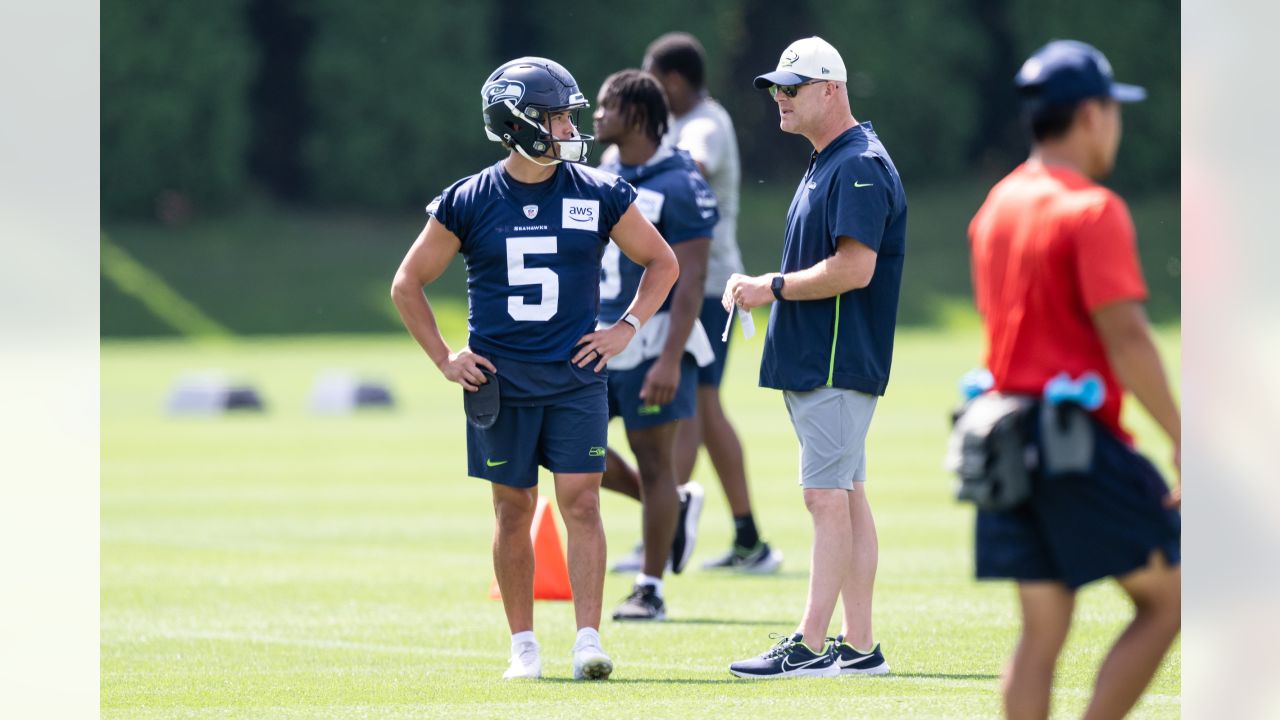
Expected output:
{"points": [[861, 185], [491, 463], [788, 666]]}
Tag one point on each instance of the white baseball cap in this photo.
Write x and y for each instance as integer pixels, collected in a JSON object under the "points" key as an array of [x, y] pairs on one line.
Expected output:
{"points": [[809, 59]]}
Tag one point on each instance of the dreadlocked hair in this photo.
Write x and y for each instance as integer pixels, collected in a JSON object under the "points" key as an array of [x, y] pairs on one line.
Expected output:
{"points": [[640, 101]]}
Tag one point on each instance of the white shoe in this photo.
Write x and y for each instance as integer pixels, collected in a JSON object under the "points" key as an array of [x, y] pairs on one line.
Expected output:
{"points": [[691, 499], [526, 662], [590, 662]]}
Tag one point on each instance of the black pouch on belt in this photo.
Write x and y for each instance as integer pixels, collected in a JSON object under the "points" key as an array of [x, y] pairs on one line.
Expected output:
{"points": [[992, 452]]}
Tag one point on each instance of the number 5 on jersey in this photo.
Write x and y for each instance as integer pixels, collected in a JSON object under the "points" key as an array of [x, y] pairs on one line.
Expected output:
{"points": [[518, 274]]}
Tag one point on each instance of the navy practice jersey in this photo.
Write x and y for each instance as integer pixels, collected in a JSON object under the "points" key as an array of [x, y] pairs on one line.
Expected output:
{"points": [[673, 196], [533, 256]]}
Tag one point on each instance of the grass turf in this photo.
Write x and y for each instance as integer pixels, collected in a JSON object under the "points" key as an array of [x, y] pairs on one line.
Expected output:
{"points": [[284, 565]]}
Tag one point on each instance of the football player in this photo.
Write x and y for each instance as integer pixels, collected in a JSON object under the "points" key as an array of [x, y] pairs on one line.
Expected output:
{"points": [[532, 229], [654, 383]]}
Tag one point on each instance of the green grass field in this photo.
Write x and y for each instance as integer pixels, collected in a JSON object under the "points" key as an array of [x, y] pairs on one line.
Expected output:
{"points": [[284, 565]]}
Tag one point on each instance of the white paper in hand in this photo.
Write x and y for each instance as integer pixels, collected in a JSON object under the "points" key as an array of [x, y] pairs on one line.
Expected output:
{"points": [[748, 325]]}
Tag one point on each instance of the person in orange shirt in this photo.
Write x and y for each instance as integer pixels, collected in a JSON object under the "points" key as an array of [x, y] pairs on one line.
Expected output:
{"points": [[1057, 281]]}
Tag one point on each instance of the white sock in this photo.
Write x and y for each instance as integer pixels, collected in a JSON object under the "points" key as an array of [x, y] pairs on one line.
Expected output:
{"points": [[522, 637], [643, 579], [587, 636]]}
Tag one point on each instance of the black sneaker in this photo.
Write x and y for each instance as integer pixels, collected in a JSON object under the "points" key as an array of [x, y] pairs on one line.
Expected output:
{"points": [[691, 498], [853, 662], [789, 658], [760, 560], [642, 604]]}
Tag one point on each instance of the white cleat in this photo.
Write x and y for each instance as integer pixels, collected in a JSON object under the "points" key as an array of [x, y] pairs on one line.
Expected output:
{"points": [[590, 663], [526, 663]]}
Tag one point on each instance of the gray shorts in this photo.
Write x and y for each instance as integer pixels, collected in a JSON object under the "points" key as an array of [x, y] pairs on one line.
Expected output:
{"points": [[832, 426]]}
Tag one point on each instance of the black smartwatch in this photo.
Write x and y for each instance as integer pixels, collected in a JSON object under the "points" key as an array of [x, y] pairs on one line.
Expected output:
{"points": [[776, 285]]}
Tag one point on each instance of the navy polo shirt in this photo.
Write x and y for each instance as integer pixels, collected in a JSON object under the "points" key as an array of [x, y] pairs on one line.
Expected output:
{"points": [[851, 189]]}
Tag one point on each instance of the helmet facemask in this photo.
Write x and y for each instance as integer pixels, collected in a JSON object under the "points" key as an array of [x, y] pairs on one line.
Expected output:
{"points": [[529, 133]]}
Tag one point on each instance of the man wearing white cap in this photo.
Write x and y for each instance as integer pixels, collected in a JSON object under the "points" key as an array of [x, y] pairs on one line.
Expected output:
{"points": [[828, 348]]}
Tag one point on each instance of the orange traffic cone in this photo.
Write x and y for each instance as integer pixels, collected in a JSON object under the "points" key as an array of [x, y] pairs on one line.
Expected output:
{"points": [[550, 573]]}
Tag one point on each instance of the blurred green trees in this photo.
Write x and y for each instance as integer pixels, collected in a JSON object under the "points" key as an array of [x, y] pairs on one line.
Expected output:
{"points": [[375, 104], [306, 137], [174, 110]]}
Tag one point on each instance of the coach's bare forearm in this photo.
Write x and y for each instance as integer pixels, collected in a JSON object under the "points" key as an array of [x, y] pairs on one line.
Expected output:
{"points": [[851, 268]]}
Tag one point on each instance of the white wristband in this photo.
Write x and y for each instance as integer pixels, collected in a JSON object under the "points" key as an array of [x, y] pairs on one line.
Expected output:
{"points": [[632, 320]]}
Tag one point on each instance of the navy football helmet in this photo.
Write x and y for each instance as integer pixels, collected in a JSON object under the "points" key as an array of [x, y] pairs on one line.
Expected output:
{"points": [[518, 99]]}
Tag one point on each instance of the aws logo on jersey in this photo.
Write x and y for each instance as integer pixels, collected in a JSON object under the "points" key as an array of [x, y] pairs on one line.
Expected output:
{"points": [[580, 215]]}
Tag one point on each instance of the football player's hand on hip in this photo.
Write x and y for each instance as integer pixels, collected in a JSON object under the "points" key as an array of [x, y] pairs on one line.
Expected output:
{"points": [[463, 367], [599, 346]]}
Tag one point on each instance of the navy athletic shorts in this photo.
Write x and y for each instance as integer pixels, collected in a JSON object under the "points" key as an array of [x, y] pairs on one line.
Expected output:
{"points": [[1079, 528], [713, 318], [624, 396], [565, 437]]}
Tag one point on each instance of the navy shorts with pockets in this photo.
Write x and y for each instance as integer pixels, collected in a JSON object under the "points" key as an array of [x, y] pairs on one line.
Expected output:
{"points": [[624, 396], [569, 436], [1079, 528], [552, 414]]}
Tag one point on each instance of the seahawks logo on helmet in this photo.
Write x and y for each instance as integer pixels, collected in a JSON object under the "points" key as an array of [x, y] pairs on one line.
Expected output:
{"points": [[500, 90]]}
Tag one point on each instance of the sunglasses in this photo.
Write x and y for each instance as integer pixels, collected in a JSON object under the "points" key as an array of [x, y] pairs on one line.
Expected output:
{"points": [[790, 90]]}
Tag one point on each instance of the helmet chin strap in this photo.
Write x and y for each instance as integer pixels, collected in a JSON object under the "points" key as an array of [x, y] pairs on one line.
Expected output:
{"points": [[536, 161]]}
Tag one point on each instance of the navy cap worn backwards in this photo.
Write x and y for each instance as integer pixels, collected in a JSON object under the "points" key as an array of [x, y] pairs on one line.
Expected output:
{"points": [[1068, 71]]}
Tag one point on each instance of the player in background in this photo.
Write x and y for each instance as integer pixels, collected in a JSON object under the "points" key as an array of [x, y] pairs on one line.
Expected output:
{"points": [[700, 126], [532, 229], [1059, 287], [653, 384]]}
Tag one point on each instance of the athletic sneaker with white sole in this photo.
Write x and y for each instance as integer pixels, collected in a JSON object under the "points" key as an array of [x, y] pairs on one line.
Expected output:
{"points": [[590, 662], [790, 657], [760, 560], [853, 661], [642, 604], [691, 500], [526, 662]]}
